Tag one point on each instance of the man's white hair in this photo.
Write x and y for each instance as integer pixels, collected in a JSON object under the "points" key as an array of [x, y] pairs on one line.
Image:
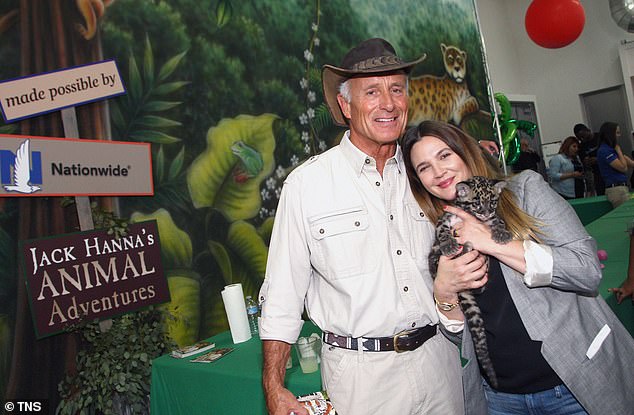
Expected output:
{"points": [[344, 89]]}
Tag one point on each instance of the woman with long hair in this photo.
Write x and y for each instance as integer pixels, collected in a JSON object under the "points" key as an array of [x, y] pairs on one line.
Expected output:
{"points": [[555, 345], [565, 170], [613, 164]]}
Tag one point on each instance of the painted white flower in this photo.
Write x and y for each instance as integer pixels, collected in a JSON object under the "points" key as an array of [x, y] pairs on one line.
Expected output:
{"points": [[303, 83], [307, 149], [311, 113], [314, 27], [316, 41], [265, 194], [322, 145], [308, 56], [279, 172], [278, 192], [312, 96], [303, 119], [294, 160], [305, 136], [270, 183]]}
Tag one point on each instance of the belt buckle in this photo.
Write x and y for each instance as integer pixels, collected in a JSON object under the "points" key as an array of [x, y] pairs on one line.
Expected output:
{"points": [[398, 335]]}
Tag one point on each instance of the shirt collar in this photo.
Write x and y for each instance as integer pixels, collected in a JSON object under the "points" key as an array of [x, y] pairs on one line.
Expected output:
{"points": [[357, 158]]}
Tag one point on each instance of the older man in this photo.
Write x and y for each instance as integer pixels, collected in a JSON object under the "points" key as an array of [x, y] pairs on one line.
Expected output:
{"points": [[350, 244]]}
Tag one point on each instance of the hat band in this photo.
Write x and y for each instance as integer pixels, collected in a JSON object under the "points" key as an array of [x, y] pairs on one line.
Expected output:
{"points": [[376, 62]]}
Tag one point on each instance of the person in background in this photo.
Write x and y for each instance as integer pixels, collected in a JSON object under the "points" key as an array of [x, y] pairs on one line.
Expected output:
{"points": [[613, 164], [556, 346], [561, 169], [528, 158], [350, 245], [627, 286], [589, 144]]}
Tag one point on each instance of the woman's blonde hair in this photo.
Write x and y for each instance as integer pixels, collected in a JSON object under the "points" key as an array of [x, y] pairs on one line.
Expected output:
{"points": [[518, 222]]}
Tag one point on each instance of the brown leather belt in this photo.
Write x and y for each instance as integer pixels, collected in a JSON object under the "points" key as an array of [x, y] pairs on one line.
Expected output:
{"points": [[407, 340]]}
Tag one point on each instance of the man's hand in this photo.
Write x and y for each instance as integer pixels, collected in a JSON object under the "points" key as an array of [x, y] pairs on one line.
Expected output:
{"points": [[625, 290], [279, 400], [282, 402]]}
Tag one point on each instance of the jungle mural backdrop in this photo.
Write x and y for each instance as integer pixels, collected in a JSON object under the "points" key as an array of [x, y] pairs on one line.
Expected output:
{"points": [[228, 93]]}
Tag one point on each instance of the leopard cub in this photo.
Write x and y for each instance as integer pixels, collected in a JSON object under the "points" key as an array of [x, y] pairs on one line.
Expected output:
{"points": [[478, 196]]}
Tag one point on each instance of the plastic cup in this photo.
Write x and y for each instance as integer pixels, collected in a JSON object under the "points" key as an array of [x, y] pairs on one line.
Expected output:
{"points": [[306, 354]]}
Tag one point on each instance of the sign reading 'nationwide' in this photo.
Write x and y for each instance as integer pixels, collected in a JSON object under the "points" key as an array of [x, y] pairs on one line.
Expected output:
{"points": [[45, 166], [43, 93], [92, 275]]}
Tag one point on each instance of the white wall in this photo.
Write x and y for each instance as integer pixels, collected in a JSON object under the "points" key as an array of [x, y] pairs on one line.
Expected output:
{"points": [[555, 77]]}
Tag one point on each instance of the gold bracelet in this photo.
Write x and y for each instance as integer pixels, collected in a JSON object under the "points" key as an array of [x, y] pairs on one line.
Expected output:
{"points": [[445, 306]]}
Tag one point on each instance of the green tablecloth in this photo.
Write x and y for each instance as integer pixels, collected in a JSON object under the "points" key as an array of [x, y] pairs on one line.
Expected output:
{"points": [[231, 385], [610, 232], [590, 208]]}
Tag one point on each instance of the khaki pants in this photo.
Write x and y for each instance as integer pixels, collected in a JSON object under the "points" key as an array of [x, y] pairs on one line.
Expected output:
{"points": [[427, 380], [617, 195]]}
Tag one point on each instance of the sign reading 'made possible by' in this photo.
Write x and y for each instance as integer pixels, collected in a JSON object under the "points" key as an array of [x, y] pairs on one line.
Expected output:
{"points": [[45, 166], [42, 93], [89, 275]]}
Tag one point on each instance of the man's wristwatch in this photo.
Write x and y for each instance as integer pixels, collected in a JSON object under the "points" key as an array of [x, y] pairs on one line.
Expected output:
{"points": [[445, 306]]}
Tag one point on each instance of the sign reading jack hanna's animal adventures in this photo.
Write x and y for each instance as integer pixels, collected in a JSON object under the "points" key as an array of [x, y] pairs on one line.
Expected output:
{"points": [[42, 93], [46, 166], [92, 275]]}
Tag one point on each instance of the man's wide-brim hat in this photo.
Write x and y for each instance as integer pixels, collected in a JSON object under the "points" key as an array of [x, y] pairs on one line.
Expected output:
{"points": [[369, 58]]}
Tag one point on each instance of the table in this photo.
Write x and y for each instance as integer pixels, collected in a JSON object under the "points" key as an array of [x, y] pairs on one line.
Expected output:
{"points": [[231, 385], [590, 209], [610, 232]]}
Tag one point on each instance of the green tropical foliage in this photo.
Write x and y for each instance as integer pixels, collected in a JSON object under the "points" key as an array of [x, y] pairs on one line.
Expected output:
{"points": [[114, 365]]}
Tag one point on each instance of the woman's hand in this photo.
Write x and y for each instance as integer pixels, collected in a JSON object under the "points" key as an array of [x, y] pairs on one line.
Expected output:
{"points": [[472, 230], [459, 273], [479, 235]]}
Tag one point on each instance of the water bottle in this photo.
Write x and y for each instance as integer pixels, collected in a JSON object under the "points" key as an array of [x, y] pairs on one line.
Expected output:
{"points": [[252, 313]]}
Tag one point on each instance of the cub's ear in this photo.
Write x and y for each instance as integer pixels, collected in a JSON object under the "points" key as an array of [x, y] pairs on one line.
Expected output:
{"points": [[443, 48], [499, 186], [462, 189]]}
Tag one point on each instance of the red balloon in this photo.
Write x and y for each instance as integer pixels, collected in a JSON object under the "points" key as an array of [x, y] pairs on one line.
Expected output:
{"points": [[554, 23]]}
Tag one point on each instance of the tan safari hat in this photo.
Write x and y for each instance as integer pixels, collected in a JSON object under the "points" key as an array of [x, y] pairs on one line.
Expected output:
{"points": [[370, 57]]}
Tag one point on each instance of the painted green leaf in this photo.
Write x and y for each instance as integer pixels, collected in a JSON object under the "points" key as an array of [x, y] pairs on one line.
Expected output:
{"points": [[266, 229], [222, 259], [157, 106], [224, 11], [244, 240], [151, 136], [169, 87], [184, 307], [217, 178], [155, 121], [169, 66], [135, 84], [148, 62], [159, 169], [177, 165], [176, 246]]}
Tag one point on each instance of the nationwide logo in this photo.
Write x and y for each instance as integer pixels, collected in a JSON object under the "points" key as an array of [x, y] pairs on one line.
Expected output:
{"points": [[27, 169]]}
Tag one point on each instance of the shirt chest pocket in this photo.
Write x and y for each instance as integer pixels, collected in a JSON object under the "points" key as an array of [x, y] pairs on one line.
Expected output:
{"points": [[421, 233], [341, 243]]}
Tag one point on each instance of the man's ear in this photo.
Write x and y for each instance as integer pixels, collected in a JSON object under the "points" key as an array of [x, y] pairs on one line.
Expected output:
{"points": [[344, 105]]}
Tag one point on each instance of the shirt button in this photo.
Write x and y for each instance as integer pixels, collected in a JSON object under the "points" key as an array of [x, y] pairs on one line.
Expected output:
{"points": [[378, 183], [399, 252], [413, 324], [322, 230], [391, 217], [405, 289], [367, 161], [421, 214], [357, 223]]}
